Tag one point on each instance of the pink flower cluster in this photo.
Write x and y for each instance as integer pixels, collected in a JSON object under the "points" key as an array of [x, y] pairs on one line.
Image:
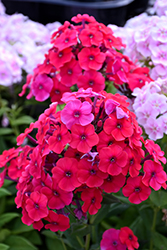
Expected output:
{"points": [[160, 7], [21, 40], [114, 239], [150, 106], [91, 147], [146, 40], [83, 55]]}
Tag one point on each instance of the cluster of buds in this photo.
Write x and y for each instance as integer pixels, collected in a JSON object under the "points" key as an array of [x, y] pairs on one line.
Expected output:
{"points": [[84, 55], [93, 146]]}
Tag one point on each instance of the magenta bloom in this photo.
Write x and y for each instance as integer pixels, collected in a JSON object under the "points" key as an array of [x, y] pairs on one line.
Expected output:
{"points": [[57, 222], [36, 206], [154, 175], [76, 112], [41, 87], [91, 58], [136, 190], [110, 240]]}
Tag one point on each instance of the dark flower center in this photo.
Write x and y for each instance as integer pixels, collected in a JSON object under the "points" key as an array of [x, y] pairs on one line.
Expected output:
{"points": [[112, 159], [40, 86], [60, 54], [115, 243], [90, 35], [59, 137], [68, 174], [57, 92], [137, 189], [130, 237], [153, 174], [91, 83], [69, 71], [66, 40], [77, 113], [83, 137], [91, 57], [119, 125], [92, 171]]}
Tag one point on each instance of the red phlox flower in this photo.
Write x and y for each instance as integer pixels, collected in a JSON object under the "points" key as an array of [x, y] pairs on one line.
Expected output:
{"points": [[90, 37], [119, 70], [111, 241], [60, 30], [36, 206], [58, 90], [155, 150], [65, 174], [128, 238], [59, 58], [41, 87], [85, 17], [111, 41], [93, 79], [26, 85], [25, 218], [91, 58], [15, 170], [35, 163], [66, 39], [45, 68], [44, 181], [57, 198], [154, 175], [59, 139], [83, 137], [89, 174], [38, 225], [57, 222], [76, 112], [2, 177], [73, 153], [136, 190], [112, 159], [9, 154], [92, 200], [118, 128], [22, 136], [133, 162], [70, 72], [43, 128], [112, 184]]}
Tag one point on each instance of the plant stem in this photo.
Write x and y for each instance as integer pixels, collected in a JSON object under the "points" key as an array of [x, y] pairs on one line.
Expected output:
{"points": [[156, 209], [64, 246], [87, 243]]}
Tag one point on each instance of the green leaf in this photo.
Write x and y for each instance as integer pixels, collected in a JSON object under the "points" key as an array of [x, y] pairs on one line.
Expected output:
{"points": [[80, 230], [22, 120], [4, 233], [53, 244], [49, 234], [33, 237], [109, 198], [122, 199], [159, 198], [18, 227], [5, 131], [19, 243], [4, 192], [4, 218], [159, 241], [4, 247]]}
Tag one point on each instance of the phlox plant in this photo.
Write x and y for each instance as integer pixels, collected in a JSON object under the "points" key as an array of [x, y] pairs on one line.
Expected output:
{"points": [[80, 158], [160, 7], [84, 54]]}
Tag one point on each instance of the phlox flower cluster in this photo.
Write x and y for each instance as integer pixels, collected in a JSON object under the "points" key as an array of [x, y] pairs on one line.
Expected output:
{"points": [[92, 147], [114, 239], [21, 40], [146, 42], [84, 54], [150, 106], [160, 7]]}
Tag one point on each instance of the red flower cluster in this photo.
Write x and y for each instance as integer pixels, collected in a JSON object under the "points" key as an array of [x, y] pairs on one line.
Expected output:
{"points": [[85, 55], [122, 239], [92, 147]]}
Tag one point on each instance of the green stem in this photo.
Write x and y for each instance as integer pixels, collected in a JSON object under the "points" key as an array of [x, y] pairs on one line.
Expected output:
{"points": [[64, 246], [153, 227], [87, 243]]}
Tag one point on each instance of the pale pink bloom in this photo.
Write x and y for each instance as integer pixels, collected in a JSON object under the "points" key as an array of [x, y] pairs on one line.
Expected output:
{"points": [[76, 112], [159, 55], [144, 113], [158, 102], [163, 121], [154, 129]]}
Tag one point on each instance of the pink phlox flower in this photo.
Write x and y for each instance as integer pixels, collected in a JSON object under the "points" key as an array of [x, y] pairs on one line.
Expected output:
{"points": [[145, 112], [41, 87], [154, 129], [155, 150], [110, 106], [111, 241], [76, 112], [120, 113], [154, 175], [158, 102]]}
